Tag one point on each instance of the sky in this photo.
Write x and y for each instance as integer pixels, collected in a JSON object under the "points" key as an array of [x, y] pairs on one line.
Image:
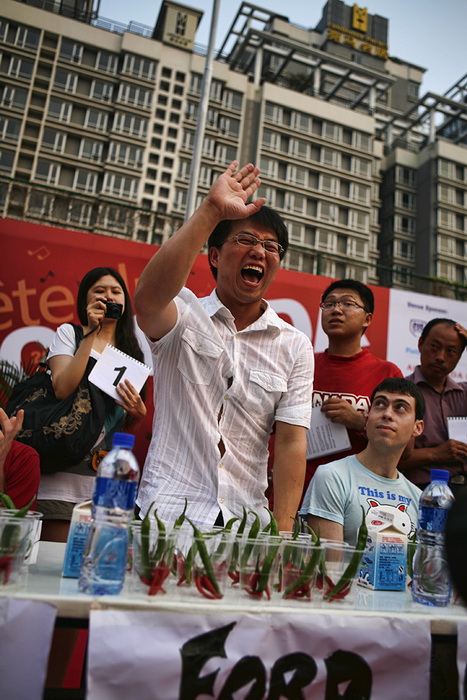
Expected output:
{"points": [[429, 34]]}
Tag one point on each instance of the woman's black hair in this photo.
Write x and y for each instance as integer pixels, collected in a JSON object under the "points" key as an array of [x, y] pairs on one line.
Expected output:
{"points": [[125, 336]]}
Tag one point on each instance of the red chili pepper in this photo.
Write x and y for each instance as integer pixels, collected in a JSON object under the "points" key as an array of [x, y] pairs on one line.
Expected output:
{"points": [[234, 576], [202, 587], [6, 564]]}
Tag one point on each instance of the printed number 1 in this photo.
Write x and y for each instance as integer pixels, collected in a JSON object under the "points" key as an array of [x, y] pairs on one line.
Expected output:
{"points": [[121, 371]]}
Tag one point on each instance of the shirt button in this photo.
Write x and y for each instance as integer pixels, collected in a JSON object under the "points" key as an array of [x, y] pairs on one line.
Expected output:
{"points": [[226, 396], [221, 465], [221, 500]]}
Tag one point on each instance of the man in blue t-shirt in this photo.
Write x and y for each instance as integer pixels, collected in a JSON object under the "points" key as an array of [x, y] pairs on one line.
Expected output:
{"points": [[370, 478]]}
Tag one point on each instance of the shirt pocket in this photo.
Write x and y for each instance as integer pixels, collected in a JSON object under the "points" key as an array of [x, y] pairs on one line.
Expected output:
{"points": [[198, 356], [264, 391]]}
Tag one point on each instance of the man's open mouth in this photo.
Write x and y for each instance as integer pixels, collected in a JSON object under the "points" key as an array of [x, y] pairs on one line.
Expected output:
{"points": [[252, 273]]}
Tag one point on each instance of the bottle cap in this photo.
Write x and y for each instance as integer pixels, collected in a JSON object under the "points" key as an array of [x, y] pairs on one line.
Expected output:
{"points": [[439, 475], [126, 440]]}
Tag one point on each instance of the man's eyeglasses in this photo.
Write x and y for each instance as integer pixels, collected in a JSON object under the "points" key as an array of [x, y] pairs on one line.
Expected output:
{"points": [[248, 240], [346, 305]]}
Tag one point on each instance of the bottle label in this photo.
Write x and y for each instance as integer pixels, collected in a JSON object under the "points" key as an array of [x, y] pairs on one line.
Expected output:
{"points": [[432, 519], [115, 493]]}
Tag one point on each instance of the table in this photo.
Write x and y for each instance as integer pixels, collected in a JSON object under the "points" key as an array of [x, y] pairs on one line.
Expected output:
{"points": [[43, 582]]}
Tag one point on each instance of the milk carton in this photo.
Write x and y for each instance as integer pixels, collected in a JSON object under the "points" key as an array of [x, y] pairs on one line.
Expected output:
{"points": [[76, 542], [384, 562]]}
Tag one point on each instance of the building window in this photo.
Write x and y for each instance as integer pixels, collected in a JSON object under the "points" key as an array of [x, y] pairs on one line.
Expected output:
{"points": [[129, 124], [27, 38], [64, 80], [120, 186], [9, 129], [85, 181], [106, 62], [59, 110], [96, 120], [71, 51], [6, 160], [54, 140], [126, 155], [232, 100], [13, 97], [91, 150], [139, 67], [132, 95], [166, 72], [101, 91], [47, 171], [162, 100], [20, 68]]}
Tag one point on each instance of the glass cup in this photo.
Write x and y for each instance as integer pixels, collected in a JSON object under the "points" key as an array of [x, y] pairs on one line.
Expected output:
{"points": [[337, 572], [15, 540], [300, 561], [258, 564], [35, 535], [203, 564], [153, 559]]}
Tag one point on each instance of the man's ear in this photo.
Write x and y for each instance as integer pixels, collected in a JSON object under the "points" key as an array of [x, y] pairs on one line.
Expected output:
{"points": [[368, 320], [418, 428], [214, 256], [420, 343]]}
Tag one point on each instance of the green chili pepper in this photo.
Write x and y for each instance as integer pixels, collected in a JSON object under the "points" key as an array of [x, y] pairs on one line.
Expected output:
{"points": [[161, 540], [305, 576], [145, 543], [225, 531], [252, 535], [7, 502], [354, 563], [181, 518], [205, 558], [272, 527], [233, 573], [268, 564]]}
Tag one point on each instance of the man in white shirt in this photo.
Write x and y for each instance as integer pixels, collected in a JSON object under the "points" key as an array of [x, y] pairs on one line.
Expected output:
{"points": [[226, 367], [334, 497]]}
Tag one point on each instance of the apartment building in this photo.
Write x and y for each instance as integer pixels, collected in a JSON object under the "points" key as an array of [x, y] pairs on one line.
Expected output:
{"points": [[99, 123]]}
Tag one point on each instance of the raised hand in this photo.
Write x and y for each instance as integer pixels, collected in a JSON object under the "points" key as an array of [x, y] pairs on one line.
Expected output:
{"points": [[230, 192]]}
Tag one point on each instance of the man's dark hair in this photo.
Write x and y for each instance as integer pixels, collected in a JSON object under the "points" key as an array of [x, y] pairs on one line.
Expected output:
{"points": [[365, 293], [397, 385], [265, 217], [447, 322]]}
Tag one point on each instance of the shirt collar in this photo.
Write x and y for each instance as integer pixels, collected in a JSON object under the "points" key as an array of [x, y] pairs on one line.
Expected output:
{"points": [[450, 384], [268, 319]]}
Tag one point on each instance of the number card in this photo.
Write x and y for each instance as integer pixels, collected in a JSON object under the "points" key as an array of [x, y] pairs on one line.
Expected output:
{"points": [[113, 367]]}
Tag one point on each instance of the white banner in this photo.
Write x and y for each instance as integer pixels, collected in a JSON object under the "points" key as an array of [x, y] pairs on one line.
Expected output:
{"points": [[158, 655], [462, 659], [26, 629], [408, 314]]}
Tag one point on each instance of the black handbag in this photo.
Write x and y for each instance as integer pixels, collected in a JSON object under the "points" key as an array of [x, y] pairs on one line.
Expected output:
{"points": [[63, 431]]}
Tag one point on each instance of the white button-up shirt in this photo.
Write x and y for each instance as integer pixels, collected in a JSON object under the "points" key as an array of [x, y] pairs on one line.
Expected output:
{"points": [[217, 393]]}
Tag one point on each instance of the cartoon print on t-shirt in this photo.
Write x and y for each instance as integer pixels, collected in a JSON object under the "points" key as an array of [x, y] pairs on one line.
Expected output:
{"points": [[399, 515]]}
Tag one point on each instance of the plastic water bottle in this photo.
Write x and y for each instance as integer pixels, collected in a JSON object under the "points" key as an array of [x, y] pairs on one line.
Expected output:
{"points": [[105, 555], [431, 584]]}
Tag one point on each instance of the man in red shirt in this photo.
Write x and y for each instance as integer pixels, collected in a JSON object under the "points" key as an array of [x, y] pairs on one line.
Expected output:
{"points": [[19, 464], [346, 373]]}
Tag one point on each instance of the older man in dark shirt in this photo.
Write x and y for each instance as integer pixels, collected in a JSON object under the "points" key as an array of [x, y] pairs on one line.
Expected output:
{"points": [[441, 345]]}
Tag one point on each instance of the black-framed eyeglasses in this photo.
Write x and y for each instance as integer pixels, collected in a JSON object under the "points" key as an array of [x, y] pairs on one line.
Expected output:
{"points": [[345, 305], [248, 240]]}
